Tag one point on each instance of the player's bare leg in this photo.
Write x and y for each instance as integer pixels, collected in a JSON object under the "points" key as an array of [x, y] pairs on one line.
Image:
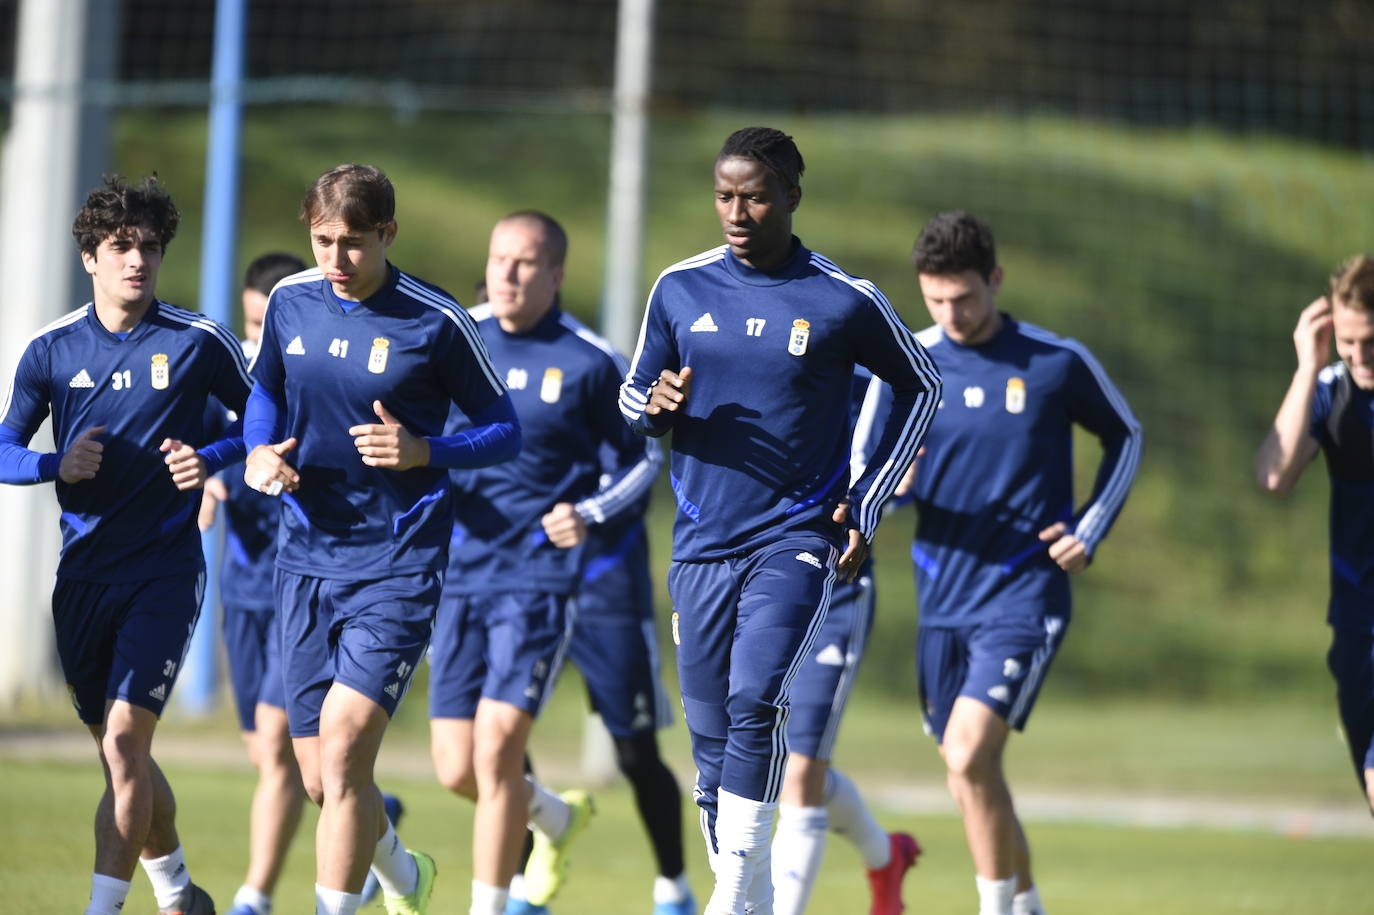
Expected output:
{"points": [[125, 815], [500, 734], [1369, 788], [973, 746], [351, 815], [278, 798], [450, 747]]}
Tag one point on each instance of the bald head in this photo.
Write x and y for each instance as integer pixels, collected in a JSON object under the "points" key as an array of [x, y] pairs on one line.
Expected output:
{"points": [[525, 268]]}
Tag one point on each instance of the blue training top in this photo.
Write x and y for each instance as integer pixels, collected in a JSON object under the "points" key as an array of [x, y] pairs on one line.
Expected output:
{"points": [[319, 370], [1343, 424], [129, 522], [760, 451], [563, 380], [998, 469]]}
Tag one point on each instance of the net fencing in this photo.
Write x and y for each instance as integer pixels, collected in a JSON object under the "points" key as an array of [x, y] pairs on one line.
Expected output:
{"points": [[1170, 182]]}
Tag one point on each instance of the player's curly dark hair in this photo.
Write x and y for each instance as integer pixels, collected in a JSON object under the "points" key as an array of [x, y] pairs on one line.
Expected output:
{"points": [[1352, 284], [772, 149], [953, 242], [360, 196], [118, 207]]}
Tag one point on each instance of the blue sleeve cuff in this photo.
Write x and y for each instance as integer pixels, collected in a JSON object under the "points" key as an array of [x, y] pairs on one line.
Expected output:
{"points": [[493, 438]]}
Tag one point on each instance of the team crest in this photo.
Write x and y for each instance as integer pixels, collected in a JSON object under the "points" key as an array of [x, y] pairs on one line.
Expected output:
{"points": [[162, 374], [801, 333], [1016, 395], [552, 386], [376, 360]]}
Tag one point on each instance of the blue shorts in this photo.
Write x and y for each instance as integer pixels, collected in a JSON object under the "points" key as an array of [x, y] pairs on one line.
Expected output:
{"points": [[506, 646], [744, 628], [1351, 660], [367, 635], [614, 644], [822, 688], [253, 646], [1001, 663], [124, 641]]}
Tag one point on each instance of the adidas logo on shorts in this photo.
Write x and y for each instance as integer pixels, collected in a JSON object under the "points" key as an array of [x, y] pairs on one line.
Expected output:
{"points": [[159, 692], [393, 690]]}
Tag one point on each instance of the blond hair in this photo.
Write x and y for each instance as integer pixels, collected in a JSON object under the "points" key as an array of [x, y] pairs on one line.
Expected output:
{"points": [[1352, 283]]}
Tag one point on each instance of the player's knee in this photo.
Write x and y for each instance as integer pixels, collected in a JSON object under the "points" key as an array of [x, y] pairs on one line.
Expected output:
{"points": [[455, 773], [499, 759], [970, 763], [125, 755], [637, 756]]}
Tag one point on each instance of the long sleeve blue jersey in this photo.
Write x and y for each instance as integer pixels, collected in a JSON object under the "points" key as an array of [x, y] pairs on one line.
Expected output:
{"points": [[408, 345], [129, 522], [760, 450], [998, 469], [562, 379], [1343, 424]]}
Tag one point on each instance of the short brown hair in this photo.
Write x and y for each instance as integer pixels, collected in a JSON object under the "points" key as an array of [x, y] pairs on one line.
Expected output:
{"points": [[361, 196], [1352, 283]]}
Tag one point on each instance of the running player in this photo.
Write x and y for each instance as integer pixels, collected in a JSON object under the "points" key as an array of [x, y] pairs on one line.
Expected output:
{"points": [[517, 552], [1328, 407], [746, 353], [126, 378], [359, 366], [998, 534], [816, 797]]}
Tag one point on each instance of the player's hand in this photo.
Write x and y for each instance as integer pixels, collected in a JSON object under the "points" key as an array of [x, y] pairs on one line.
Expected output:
{"points": [[1065, 548], [856, 552], [82, 459], [388, 443], [266, 469], [184, 464], [1312, 336], [670, 392], [215, 493], [908, 479], [853, 557], [565, 526]]}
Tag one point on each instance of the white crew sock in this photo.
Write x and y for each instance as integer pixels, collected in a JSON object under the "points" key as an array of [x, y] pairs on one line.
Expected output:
{"points": [[798, 847], [259, 902], [850, 817], [336, 902], [671, 889], [549, 813], [107, 895], [743, 828], [169, 876], [488, 900], [395, 868], [1027, 903], [994, 896], [517, 886]]}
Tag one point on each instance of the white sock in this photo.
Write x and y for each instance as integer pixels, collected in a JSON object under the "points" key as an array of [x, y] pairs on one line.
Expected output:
{"points": [[994, 896], [668, 889], [395, 868], [549, 813], [488, 900], [1027, 903], [760, 898], [850, 817], [107, 895], [743, 828], [517, 886], [257, 901], [169, 876], [798, 847], [336, 902]]}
